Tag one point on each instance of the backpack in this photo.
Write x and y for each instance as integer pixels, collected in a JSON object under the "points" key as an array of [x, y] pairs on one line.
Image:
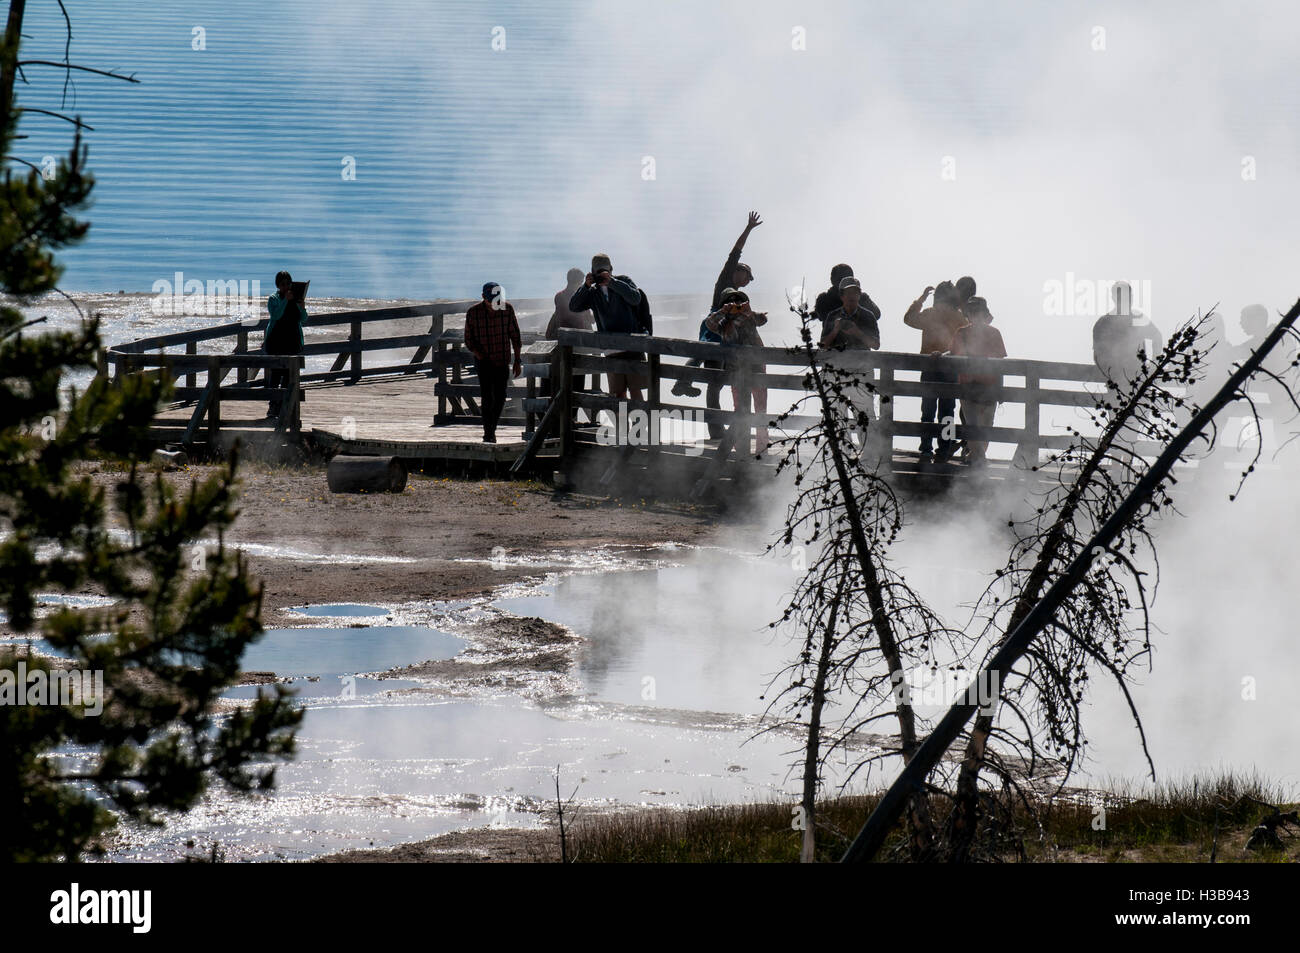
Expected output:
{"points": [[644, 320]]}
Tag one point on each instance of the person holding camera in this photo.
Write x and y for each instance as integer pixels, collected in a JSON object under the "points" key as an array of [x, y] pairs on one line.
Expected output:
{"points": [[737, 325], [938, 325], [616, 303], [852, 327], [283, 333], [980, 392]]}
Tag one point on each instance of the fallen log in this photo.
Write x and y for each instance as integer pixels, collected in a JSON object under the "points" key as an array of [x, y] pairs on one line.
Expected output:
{"points": [[352, 474]]}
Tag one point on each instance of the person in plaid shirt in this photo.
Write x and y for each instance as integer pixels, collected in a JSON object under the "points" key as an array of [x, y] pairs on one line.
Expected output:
{"points": [[491, 332]]}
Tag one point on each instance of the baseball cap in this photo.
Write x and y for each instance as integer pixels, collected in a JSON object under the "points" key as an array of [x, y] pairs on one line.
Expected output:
{"points": [[600, 263], [489, 289], [847, 282]]}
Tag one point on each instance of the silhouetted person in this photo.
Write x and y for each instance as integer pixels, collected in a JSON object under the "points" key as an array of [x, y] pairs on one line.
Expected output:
{"points": [[1254, 321], [979, 400], [562, 317], [737, 325], [283, 333], [491, 333], [964, 289], [735, 275], [830, 299], [1122, 337], [851, 327], [615, 300], [939, 325]]}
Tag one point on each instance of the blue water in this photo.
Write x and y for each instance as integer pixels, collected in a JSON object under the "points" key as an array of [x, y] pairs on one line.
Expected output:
{"points": [[341, 609], [512, 165], [227, 162], [328, 651]]}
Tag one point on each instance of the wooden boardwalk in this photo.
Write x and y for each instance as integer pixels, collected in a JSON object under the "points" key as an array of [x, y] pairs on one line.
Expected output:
{"points": [[377, 416], [400, 383]]}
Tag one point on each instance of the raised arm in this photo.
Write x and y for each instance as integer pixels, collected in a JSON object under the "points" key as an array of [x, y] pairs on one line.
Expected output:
{"points": [[913, 317], [753, 223]]}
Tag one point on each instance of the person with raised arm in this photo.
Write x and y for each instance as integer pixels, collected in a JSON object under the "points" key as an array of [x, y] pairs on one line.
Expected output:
{"points": [[939, 325]]}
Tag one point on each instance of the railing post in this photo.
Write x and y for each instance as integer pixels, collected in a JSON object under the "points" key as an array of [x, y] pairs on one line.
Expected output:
{"points": [[653, 408], [529, 416], [743, 376], [564, 394], [191, 349], [291, 403], [440, 369], [214, 402], [241, 347], [886, 421], [435, 329], [454, 353], [1027, 450], [354, 337], [101, 363]]}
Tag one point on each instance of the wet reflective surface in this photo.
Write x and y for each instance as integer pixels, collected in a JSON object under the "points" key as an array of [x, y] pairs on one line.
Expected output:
{"points": [[323, 650], [383, 771], [340, 609], [382, 761]]}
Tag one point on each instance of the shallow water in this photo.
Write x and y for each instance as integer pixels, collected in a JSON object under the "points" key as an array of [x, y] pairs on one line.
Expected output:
{"points": [[389, 764], [317, 651], [340, 609], [662, 707], [384, 771]]}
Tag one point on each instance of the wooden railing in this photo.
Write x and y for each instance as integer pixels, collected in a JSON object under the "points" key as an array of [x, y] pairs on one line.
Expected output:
{"points": [[226, 349], [213, 365], [1042, 384], [207, 357]]}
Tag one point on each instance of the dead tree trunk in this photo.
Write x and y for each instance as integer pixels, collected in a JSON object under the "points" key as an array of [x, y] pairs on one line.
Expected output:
{"points": [[921, 826], [912, 780], [812, 749], [965, 813]]}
